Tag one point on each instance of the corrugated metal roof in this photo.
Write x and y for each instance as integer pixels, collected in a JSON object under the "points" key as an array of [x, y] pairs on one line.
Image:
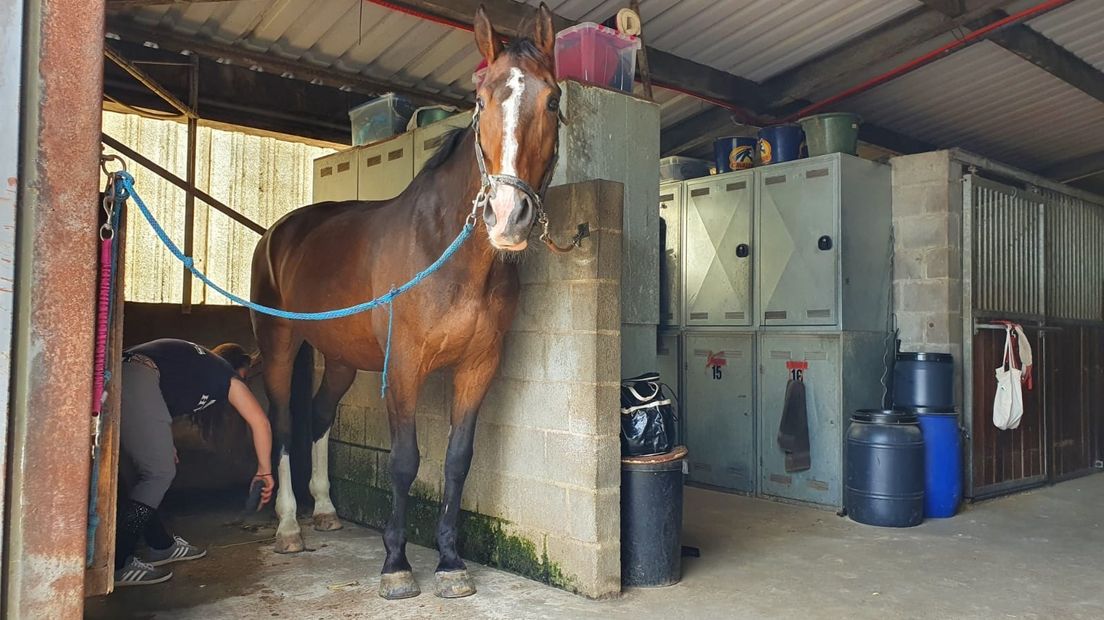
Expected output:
{"points": [[988, 100], [982, 98], [1078, 27], [755, 39]]}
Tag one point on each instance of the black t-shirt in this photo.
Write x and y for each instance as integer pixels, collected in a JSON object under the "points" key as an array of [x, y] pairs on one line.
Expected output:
{"points": [[192, 377]]}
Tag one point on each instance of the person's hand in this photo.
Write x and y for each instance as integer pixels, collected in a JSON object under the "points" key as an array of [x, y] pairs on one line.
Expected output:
{"points": [[266, 492]]}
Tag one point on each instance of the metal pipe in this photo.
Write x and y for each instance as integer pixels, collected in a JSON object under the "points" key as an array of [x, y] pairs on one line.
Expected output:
{"points": [[920, 61], [189, 192]]}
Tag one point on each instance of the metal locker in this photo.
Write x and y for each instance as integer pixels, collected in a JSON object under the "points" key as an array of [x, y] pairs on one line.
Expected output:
{"points": [[335, 177], [822, 483], [386, 168], [719, 403], [717, 249], [428, 138], [799, 208], [668, 355], [670, 266]]}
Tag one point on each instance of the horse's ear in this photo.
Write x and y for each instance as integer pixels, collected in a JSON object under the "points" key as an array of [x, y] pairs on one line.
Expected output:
{"points": [[486, 39], [544, 33]]}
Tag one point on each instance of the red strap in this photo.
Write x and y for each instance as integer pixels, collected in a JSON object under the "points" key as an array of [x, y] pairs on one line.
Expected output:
{"points": [[103, 310]]}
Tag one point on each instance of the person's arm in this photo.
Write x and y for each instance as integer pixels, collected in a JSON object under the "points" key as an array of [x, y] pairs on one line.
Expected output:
{"points": [[241, 397]]}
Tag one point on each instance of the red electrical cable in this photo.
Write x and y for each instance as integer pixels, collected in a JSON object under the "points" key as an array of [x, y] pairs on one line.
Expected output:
{"points": [[920, 61]]}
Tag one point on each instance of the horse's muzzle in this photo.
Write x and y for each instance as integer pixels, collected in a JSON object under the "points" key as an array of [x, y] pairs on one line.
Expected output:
{"points": [[509, 218]]}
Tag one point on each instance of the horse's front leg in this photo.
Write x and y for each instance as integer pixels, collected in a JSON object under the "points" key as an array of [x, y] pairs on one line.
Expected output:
{"points": [[470, 384], [397, 579]]}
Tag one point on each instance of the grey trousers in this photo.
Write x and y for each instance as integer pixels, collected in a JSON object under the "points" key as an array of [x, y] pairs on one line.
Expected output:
{"points": [[145, 434]]}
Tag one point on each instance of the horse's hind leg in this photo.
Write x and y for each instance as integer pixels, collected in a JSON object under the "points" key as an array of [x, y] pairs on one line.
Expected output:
{"points": [[404, 381], [335, 382], [279, 345], [471, 382]]}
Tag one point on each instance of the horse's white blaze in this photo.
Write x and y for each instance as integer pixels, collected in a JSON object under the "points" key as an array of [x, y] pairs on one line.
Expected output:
{"points": [[511, 109], [320, 476], [285, 500]]}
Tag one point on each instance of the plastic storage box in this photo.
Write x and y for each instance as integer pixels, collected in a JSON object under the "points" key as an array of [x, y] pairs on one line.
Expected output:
{"points": [[597, 55], [380, 119], [682, 168]]}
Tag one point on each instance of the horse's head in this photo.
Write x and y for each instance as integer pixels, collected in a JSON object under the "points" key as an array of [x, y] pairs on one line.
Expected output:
{"points": [[517, 107]]}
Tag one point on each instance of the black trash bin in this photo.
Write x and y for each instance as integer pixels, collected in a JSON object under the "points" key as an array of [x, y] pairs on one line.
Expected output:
{"points": [[651, 519]]}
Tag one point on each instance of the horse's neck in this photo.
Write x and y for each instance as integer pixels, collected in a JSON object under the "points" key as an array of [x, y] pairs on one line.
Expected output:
{"points": [[445, 198]]}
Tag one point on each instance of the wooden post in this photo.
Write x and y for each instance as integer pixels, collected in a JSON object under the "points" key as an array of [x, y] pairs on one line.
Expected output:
{"points": [[642, 56], [189, 197]]}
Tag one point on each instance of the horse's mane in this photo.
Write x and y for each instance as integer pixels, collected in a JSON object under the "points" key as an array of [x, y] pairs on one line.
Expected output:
{"points": [[519, 48]]}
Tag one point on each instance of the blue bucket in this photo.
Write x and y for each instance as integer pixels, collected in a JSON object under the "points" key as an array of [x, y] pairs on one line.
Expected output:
{"points": [[942, 461], [779, 143], [733, 153]]}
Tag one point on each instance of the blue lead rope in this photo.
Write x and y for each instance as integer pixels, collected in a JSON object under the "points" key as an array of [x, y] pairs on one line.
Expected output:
{"points": [[387, 298]]}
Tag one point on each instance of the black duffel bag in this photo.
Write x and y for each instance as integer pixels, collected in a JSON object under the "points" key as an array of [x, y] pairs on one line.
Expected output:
{"points": [[647, 417]]}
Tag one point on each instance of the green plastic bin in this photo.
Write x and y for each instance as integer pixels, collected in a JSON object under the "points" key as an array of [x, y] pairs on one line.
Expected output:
{"points": [[835, 132]]}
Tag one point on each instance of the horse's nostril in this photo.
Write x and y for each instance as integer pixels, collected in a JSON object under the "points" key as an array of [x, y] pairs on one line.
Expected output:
{"points": [[489, 217]]}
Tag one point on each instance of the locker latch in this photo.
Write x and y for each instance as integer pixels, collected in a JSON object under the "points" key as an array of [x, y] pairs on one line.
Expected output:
{"points": [[824, 243], [743, 250]]}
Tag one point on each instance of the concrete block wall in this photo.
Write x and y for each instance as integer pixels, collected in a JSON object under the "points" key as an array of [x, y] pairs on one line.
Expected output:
{"points": [[543, 495], [927, 278]]}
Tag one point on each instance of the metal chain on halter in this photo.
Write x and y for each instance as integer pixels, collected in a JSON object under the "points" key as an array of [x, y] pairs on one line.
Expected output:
{"points": [[488, 183]]}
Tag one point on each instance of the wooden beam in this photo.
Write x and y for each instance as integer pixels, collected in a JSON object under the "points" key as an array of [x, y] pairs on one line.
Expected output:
{"points": [[845, 66], [950, 8], [234, 95], [144, 161], [1051, 57], [270, 63], [511, 19]]}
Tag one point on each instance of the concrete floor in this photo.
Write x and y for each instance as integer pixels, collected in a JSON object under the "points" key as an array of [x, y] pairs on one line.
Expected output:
{"points": [[1035, 555]]}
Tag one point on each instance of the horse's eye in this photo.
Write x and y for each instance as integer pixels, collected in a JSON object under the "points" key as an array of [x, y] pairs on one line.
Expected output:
{"points": [[553, 105]]}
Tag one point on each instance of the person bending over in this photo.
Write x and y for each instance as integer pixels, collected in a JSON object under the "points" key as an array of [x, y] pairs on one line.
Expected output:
{"points": [[163, 379]]}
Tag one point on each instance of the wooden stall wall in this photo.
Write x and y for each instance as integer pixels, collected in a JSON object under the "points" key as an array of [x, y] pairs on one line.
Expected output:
{"points": [[1003, 460]]}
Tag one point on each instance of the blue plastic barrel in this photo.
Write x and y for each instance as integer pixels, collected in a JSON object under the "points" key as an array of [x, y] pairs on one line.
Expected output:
{"points": [[942, 461], [733, 153], [779, 143]]}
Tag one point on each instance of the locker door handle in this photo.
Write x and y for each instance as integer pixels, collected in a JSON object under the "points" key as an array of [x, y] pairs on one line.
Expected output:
{"points": [[824, 243], [743, 250]]}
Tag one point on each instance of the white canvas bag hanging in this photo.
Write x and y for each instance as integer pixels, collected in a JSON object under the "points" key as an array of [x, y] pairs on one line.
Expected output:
{"points": [[1008, 402]]}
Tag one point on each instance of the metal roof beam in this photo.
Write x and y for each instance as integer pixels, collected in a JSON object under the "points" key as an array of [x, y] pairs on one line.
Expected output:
{"points": [[116, 5], [700, 129], [1076, 169], [845, 65], [510, 19], [1051, 57]]}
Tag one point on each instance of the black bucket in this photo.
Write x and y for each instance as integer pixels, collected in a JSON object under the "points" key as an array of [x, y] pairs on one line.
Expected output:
{"points": [[651, 520], [923, 380], [884, 469]]}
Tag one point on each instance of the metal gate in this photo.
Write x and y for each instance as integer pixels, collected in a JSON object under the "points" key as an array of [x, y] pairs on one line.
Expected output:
{"points": [[1034, 256]]}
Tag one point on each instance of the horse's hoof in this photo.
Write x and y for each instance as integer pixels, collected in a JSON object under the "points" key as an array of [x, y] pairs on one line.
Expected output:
{"points": [[454, 584], [327, 522], [290, 543], [395, 586]]}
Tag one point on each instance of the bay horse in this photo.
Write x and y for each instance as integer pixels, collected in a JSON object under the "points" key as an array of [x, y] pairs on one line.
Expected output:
{"points": [[336, 254]]}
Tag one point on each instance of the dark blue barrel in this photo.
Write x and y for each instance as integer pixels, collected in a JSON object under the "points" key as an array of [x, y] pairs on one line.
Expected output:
{"points": [[651, 519], [942, 461], [923, 380], [884, 469], [733, 153], [779, 143]]}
